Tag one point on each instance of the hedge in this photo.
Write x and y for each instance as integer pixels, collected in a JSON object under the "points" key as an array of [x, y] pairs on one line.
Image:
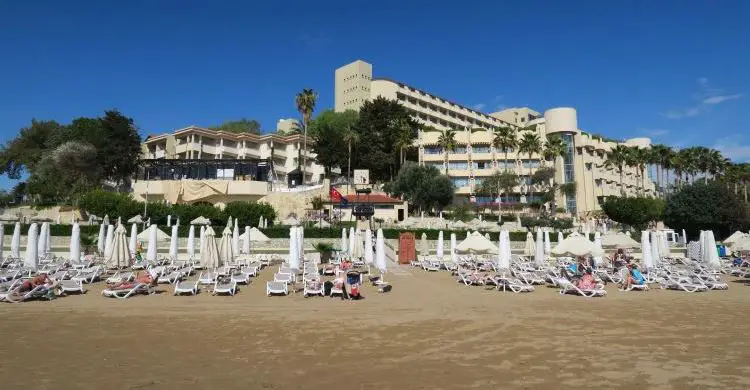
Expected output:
{"points": [[101, 203], [276, 232]]}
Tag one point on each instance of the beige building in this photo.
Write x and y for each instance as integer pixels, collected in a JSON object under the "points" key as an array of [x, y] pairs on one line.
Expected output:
{"points": [[475, 158], [198, 164]]}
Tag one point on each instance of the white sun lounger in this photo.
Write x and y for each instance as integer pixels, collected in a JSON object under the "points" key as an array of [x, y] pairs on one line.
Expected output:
{"points": [[512, 284], [240, 278], [171, 278], [567, 287], [225, 288], [71, 285], [276, 288], [206, 278], [120, 277], [186, 288], [139, 288], [313, 287]]}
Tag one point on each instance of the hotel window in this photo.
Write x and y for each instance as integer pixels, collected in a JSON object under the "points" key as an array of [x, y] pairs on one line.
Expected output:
{"points": [[588, 166], [460, 150], [530, 163], [433, 150], [480, 149], [481, 165], [460, 181], [458, 165]]}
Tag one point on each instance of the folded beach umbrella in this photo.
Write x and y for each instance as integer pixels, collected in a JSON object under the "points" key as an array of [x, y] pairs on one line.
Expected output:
{"points": [[120, 254], [647, 261], [191, 242], [352, 238], [102, 238], [439, 249], [236, 238], [202, 239], [293, 248], [380, 252], [153, 243], [369, 255], [654, 246], [15, 243], [209, 252], [75, 243], [31, 260], [173, 243], [109, 239], [133, 238], [344, 241], [547, 243], [225, 245], [453, 248], [246, 241], [423, 249], [528, 248], [540, 258]]}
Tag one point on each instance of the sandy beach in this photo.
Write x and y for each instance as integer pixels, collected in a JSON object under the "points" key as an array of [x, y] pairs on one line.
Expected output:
{"points": [[429, 332]]}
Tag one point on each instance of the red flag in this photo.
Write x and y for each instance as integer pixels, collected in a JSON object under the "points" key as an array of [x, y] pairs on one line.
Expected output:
{"points": [[337, 197]]}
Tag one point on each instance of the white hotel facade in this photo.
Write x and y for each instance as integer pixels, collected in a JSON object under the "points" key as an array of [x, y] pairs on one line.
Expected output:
{"points": [[475, 158]]}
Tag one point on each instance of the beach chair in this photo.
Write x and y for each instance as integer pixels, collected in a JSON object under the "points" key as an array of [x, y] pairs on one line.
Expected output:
{"points": [[567, 287], [672, 282], [140, 288], [72, 286], [9, 275], [88, 275], [276, 288], [513, 284], [9, 288], [313, 287], [186, 288], [228, 288], [283, 277], [240, 278], [530, 277], [171, 278], [120, 277], [207, 278]]}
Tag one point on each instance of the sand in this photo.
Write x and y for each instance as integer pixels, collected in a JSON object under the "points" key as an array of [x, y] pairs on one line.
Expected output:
{"points": [[428, 333]]}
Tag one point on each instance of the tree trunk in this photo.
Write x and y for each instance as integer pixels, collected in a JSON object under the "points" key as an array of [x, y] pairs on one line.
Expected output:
{"points": [[304, 155], [349, 167]]}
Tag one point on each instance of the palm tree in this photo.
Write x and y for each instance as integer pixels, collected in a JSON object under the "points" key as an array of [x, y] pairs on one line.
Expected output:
{"points": [[305, 101], [618, 157], [404, 136], [447, 141], [658, 157], [350, 137], [530, 144], [554, 148], [638, 158], [505, 139], [678, 163]]}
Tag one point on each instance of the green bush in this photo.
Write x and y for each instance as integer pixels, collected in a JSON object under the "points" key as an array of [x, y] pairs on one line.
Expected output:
{"points": [[707, 207], [101, 203], [556, 224], [635, 212]]}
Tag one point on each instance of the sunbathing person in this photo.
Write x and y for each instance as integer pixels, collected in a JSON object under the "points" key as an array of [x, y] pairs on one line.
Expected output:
{"points": [[140, 278], [587, 281], [634, 277]]}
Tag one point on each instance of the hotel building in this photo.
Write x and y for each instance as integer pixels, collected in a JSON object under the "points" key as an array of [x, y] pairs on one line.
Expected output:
{"points": [[475, 158], [198, 164]]}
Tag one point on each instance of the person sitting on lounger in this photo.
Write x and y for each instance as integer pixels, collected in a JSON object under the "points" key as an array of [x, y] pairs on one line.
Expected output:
{"points": [[633, 277], [619, 259], [50, 285], [587, 281]]}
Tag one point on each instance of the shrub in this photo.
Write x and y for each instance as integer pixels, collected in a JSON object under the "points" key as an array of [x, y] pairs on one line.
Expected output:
{"points": [[635, 212], [249, 213], [709, 206]]}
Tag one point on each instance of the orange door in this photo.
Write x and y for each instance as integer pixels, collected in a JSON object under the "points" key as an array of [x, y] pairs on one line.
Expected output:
{"points": [[407, 250]]}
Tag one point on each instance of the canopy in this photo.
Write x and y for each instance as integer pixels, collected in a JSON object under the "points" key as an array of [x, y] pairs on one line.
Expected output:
{"points": [[476, 243], [255, 235], [161, 236], [741, 244], [136, 219], [200, 221], [576, 245], [618, 240], [731, 240]]}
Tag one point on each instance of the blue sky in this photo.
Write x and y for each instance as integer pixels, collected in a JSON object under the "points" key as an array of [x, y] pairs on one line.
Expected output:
{"points": [[675, 71]]}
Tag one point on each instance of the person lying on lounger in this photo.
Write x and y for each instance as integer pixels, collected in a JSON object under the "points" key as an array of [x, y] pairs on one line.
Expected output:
{"points": [[140, 278], [50, 285]]}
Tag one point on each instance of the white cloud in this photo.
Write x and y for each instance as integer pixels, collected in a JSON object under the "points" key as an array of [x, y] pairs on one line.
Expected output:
{"points": [[479, 106], [721, 98], [684, 113], [733, 148], [706, 96]]}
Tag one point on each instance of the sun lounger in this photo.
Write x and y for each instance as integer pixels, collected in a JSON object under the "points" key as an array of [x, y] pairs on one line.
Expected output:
{"points": [[567, 287], [313, 287], [70, 286], [512, 284], [10, 275], [672, 282], [120, 277], [206, 278], [88, 275], [229, 288], [171, 278], [186, 288], [240, 278], [283, 277], [14, 296], [276, 288], [140, 288]]}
